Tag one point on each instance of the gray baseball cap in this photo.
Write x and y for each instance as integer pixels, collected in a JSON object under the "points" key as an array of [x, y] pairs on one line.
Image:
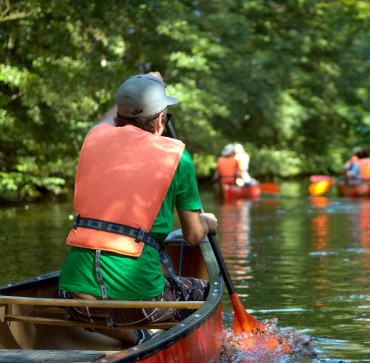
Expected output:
{"points": [[141, 96], [228, 150]]}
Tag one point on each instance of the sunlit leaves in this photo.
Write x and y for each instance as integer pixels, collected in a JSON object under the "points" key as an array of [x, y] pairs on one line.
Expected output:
{"points": [[287, 78], [13, 76], [276, 162], [198, 62], [117, 45]]}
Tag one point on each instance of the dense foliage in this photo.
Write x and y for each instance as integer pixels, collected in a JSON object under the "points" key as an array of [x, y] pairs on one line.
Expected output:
{"points": [[287, 79]]}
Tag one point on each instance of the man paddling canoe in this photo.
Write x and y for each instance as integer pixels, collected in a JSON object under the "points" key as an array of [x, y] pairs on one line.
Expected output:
{"points": [[129, 180]]}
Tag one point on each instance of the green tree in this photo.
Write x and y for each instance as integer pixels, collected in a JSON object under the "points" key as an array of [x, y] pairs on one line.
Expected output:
{"points": [[288, 79]]}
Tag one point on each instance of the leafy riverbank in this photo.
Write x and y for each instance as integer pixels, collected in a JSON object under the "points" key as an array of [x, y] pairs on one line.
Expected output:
{"points": [[289, 80]]}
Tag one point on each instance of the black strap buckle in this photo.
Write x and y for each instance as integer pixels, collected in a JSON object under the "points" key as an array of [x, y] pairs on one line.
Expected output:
{"points": [[140, 235], [75, 221]]}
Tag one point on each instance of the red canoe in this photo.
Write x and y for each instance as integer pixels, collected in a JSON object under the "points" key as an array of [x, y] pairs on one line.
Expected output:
{"points": [[231, 191], [361, 190], [35, 326]]}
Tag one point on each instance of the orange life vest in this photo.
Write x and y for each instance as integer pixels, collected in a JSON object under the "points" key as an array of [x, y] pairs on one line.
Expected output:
{"points": [[364, 165], [354, 159], [227, 167], [123, 175]]}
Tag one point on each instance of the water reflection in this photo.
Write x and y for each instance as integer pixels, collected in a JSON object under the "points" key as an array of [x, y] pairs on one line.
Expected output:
{"points": [[302, 260], [319, 243], [364, 278], [32, 239], [305, 262], [234, 237]]}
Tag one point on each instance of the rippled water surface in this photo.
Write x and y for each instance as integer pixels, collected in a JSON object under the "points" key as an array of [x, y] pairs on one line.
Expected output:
{"points": [[306, 262], [302, 260]]}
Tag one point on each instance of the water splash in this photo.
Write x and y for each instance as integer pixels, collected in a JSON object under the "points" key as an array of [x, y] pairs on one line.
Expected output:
{"points": [[267, 344]]}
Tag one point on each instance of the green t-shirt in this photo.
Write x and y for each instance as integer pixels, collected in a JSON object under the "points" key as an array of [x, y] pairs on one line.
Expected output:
{"points": [[130, 278]]}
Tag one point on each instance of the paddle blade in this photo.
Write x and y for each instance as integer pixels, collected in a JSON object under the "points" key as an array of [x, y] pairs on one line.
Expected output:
{"points": [[269, 188], [243, 321], [319, 178], [319, 187]]}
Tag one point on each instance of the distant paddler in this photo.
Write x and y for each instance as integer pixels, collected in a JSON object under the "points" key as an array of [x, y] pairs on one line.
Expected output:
{"points": [[227, 166], [233, 165]]}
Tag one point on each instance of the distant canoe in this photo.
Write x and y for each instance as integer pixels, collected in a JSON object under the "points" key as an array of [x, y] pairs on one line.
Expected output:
{"points": [[360, 190], [231, 191]]}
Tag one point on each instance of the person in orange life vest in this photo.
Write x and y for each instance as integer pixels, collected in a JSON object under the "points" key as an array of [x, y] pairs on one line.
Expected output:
{"points": [[353, 159], [359, 170], [130, 175], [227, 166]]}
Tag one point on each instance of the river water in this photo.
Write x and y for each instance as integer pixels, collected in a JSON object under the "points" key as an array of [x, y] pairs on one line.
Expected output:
{"points": [[301, 260]]}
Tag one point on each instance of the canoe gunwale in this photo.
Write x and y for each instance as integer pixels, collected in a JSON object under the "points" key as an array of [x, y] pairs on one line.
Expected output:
{"points": [[29, 283]]}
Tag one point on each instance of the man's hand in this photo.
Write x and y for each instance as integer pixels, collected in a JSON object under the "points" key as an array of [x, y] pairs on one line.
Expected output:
{"points": [[195, 226], [211, 221], [158, 75]]}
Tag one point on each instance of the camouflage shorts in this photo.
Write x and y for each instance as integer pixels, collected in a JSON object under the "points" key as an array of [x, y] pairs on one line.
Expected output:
{"points": [[192, 290]]}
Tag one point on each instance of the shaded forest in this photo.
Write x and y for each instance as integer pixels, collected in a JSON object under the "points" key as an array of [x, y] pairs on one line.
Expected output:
{"points": [[287, 79]]}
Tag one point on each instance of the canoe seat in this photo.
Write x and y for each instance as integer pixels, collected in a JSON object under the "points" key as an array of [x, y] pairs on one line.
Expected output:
{"points": [[44, 307]]}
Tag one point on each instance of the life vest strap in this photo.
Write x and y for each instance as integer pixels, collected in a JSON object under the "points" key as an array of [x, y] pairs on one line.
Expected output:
{"points": [[138, 233], [103, 289]]}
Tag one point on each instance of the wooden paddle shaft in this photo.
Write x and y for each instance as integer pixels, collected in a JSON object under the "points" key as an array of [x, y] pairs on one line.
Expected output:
{"points": [[221, 264]]}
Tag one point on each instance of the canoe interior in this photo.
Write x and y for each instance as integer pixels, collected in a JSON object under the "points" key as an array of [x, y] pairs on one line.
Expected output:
{"points": [[197, 262]]}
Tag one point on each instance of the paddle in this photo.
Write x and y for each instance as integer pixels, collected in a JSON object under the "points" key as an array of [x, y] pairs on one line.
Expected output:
{"points": [[319, 178], [271, 188], [243, 322], [320, 187]]}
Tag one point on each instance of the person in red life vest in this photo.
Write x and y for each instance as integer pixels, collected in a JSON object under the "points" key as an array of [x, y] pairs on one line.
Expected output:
{"points": [[129, 181], [227, 166], [360, 170]]}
